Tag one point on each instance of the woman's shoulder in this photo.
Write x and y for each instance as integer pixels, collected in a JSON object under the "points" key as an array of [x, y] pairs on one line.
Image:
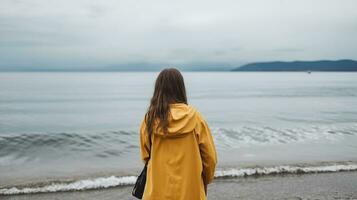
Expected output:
{"points": [[192, 108], [195, 111]]}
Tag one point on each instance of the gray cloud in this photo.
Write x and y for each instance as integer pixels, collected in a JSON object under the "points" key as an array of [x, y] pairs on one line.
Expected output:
{"points": [[84, 33]]}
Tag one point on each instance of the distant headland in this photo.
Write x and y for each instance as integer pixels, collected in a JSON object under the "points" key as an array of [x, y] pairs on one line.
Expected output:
{"points": [[276, 66], [320, 65]]}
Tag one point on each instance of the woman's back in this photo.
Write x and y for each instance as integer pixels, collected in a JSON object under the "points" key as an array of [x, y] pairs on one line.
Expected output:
{"points": [[182, 160]]}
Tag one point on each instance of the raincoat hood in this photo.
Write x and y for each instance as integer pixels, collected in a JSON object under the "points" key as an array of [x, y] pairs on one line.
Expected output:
{"points": [[182, 120]]}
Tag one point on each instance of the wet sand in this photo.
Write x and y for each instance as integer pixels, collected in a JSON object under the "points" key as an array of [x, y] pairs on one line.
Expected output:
{"points": [[340, 185]]}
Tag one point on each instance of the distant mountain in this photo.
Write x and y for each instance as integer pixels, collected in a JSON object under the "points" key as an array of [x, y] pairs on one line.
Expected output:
{"points": [[321, 65]]}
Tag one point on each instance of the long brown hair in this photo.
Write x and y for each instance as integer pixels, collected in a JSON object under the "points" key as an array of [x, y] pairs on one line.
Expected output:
{"points": [[169, 88]]}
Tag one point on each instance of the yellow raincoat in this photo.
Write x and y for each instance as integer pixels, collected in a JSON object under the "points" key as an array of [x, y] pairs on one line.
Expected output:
{"points": [[181, 162]]}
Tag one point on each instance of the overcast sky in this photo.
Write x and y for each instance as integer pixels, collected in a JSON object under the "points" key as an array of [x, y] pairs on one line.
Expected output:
{"points": [[83, 33]]}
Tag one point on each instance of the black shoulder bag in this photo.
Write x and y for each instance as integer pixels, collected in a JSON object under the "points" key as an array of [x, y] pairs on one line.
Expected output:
{"points": [[139, 186]]}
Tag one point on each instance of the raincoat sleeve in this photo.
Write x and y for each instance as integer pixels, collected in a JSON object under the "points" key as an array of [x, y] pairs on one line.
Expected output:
{"points": [[144, 143], [207, 150]]}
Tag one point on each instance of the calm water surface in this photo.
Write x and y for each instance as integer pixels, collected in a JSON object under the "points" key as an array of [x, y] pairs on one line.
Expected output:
{"points": [[65, 124]]}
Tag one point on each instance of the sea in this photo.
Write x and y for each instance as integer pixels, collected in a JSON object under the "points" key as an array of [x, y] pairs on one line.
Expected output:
{"points": [[65, 131]]}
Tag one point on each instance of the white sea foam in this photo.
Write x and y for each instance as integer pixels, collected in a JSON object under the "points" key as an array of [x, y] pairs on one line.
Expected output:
{"points": [[283, 170], [113, 181], [103, 182]]}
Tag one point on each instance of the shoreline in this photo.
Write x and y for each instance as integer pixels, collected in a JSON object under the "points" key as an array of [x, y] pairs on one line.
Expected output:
{"points": [[113, 180], [338, 185]]}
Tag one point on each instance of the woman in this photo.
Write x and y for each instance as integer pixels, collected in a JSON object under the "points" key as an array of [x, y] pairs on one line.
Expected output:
{"points": [[181, 155]]}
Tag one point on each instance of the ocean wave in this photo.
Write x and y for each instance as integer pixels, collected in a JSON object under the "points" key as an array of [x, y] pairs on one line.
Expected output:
{"points": [[97, 183], [241, 135], [276, 170], [115, 181], [236, 137], [27, 147]]}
